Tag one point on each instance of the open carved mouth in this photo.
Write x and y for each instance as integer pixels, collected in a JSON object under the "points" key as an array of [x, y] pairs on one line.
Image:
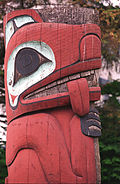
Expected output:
{"points": [[60, 85]]}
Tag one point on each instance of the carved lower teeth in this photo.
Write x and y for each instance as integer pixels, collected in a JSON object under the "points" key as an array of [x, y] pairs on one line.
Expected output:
{"points": [[36, 94], [62, 88]]}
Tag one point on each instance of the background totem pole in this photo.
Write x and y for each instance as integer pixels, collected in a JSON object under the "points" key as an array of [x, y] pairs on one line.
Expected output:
{"points": [[51, 61]]}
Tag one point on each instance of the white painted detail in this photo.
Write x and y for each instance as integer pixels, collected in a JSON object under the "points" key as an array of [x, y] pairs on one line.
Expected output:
{"points": [[9, 31], [20, 21], [43, 71]]}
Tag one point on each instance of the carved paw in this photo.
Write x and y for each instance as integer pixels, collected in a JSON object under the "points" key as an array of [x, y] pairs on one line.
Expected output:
{"points": [[90, 123]]}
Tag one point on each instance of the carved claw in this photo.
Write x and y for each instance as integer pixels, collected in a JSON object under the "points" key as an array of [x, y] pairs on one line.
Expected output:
{"points": [[90, 123]]}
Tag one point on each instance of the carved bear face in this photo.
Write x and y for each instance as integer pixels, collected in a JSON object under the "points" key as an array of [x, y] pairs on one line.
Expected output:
{"points": [[42, 57]]}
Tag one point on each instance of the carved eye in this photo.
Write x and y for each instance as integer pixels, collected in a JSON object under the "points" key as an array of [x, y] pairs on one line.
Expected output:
{"points": [[27, 61]]}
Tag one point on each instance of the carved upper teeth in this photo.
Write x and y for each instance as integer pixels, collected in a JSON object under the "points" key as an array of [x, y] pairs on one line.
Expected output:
{"points": [[61, 81], [92, 71], [51, 85], [84, 74], [97, 75], [76, 76]]}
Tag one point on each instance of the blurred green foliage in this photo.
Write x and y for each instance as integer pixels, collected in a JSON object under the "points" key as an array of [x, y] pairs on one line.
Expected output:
{"points": [[110, 139], [3, 168]]}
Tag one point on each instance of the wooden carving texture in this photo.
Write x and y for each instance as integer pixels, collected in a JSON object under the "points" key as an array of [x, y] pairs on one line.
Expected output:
{"points": [[53, 128]]}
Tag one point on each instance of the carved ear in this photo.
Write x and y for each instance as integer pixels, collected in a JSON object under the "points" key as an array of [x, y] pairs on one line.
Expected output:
{"points": [[90, 47]]}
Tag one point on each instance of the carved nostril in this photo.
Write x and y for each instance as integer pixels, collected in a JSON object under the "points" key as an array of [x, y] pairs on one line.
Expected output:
{"points": [[27, 61]]}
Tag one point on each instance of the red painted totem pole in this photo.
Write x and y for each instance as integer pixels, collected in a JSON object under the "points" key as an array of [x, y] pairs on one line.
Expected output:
{"points": [[50, 69]]}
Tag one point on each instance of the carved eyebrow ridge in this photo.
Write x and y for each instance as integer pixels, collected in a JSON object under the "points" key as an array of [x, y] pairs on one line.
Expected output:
{"points": [[15, 26]]}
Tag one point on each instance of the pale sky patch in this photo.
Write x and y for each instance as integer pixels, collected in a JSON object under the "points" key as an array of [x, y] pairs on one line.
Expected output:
{"points": [[114, 2]]}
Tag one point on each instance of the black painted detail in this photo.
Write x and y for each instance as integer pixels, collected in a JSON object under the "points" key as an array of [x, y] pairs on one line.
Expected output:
{"points": [[27, 61], [91, 124], [15, 26]]}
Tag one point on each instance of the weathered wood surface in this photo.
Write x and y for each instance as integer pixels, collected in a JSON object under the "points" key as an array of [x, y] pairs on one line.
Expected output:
{"points": [[69, 15]]}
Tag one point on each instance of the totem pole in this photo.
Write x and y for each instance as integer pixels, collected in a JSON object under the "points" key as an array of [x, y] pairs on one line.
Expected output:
{"points": [[51, 60]]}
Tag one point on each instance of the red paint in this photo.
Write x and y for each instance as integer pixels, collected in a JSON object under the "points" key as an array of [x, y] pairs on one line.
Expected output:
{"points": [[13, 98], [65, 63], [46, 142], [17, 13], [79, 96], [44, 139], [94, 93]]}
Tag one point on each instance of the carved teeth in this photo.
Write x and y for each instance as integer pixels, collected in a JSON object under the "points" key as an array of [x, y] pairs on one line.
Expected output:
{"points": [[60, 86], [76, 76], [42, 89], [51, 85], [59, 82], [63, 80], [97, 75], [85, 74], [92, 72]]}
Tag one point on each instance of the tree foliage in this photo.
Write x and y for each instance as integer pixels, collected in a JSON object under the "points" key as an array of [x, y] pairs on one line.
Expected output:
{"points": [[110, 29], [110, 139], [3, 169]]}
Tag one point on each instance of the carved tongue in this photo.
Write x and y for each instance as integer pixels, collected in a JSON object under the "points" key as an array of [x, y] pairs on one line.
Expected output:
{"points": [[79, 96]]}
